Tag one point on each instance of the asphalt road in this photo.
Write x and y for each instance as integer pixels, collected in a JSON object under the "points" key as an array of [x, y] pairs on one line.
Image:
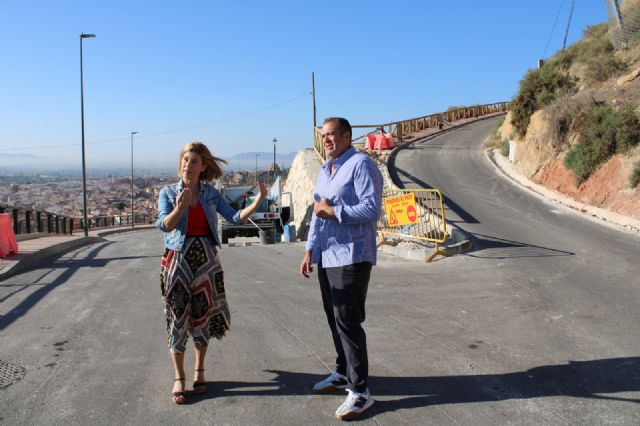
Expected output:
{"points": [[531, 328]]}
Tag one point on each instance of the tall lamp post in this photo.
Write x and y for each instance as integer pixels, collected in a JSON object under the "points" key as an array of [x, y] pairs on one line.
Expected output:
{"points": [[133, 217], [257, 155], [274, 157], [84, 169]]}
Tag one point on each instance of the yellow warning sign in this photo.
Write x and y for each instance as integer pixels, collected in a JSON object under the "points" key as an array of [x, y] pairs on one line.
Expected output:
{"points": [[401, 209]]}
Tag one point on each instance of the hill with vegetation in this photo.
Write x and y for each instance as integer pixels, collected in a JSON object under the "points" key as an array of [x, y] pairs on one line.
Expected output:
{"points": [[574, 125]]}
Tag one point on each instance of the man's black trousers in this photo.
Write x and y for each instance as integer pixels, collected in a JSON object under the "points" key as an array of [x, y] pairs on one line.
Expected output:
{"points": [[344, 291]]}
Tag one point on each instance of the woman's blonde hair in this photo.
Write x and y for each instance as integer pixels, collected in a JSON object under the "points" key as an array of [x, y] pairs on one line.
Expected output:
{"points": [[213, 169]]}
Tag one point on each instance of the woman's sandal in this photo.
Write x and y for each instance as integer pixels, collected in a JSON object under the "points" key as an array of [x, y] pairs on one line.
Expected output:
{"points": [[199, 387], [178, 397]]}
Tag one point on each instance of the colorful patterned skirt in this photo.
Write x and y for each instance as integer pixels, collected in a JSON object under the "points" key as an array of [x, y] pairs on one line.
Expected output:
{"points": [[195, 302]]}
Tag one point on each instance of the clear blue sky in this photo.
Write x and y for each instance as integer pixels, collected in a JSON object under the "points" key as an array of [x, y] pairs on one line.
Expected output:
{"points": [[182, 71]]}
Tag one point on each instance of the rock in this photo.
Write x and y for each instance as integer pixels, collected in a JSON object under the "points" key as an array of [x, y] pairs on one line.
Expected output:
{"points": [[628, 78], [301, 183]]}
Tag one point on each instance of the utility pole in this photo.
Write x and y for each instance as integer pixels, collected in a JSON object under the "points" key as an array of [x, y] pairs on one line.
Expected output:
{"points": [[84, 168], [133, 218], [313, 93], [566, 32]]}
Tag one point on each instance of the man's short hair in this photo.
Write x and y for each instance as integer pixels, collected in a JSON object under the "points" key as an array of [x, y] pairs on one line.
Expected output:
{"points": [[343, 124]]}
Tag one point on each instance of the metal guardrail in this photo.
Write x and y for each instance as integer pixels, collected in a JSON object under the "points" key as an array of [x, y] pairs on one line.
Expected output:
{"points": [[27, 221], [429, 223], [399, 129]]}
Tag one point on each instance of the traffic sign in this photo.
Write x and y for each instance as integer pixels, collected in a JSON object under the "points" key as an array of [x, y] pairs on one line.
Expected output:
{"points": [[401, 209]]}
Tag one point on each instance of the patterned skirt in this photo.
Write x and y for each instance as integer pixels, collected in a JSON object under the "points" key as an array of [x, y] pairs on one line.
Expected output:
{"points": [[195, 302]]}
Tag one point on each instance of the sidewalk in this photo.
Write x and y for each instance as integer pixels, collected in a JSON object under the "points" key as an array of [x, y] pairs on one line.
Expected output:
{"points": [[34, 250]]}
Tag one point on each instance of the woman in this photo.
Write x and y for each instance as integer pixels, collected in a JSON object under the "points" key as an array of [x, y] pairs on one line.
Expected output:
{"points": [[191, 276]]}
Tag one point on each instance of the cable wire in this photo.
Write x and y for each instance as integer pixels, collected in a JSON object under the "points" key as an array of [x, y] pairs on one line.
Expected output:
{"points": [[166, 132], [553, 29]]}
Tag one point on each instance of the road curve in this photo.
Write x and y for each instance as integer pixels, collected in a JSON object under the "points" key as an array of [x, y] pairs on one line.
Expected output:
{"points": [[575, 266]]}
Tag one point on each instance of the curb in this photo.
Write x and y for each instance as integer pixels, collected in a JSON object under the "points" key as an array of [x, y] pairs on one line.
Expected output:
{"points": [[39, 256], [596, 214], [32, 260], [460, 242]]}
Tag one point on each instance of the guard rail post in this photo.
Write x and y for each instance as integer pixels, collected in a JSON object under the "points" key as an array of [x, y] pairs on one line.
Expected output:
{"points": [[27, 219], [14, 214]]}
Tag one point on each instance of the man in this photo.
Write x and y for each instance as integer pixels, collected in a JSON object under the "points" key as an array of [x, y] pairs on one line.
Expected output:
{"points": [[342, 241]]}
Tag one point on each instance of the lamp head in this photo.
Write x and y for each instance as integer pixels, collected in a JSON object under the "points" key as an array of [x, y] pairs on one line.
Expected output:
{"points": [[83, 35]]}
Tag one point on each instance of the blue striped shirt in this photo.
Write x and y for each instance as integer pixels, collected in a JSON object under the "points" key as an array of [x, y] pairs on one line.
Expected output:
{"points": [[355, 192]]}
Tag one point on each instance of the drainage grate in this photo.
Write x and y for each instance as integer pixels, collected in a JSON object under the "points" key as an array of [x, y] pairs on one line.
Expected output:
{"points": [[10, 373]]}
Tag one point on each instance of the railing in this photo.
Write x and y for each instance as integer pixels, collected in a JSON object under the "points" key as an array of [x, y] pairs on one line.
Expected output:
{"points": [[400, 129], [27, 221]]}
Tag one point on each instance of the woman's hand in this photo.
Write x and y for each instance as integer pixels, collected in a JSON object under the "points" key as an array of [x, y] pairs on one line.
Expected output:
{"points": [[248, 211], [263, 191], [185, 199]]}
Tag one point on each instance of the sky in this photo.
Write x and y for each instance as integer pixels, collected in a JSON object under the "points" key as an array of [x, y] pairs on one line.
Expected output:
{"points": [[237, 74]]}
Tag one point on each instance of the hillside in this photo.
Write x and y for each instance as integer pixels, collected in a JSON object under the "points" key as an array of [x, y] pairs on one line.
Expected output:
{"points": [[574, 126]]}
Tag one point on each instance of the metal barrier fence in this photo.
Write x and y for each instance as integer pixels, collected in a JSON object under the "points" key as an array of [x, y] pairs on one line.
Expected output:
{"points": [[414, 214], [27, 221], [624, 22], [399, 129]]}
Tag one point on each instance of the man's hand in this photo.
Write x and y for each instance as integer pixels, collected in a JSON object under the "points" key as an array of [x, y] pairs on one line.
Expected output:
{"points": [[305, 266], [323, 209]]}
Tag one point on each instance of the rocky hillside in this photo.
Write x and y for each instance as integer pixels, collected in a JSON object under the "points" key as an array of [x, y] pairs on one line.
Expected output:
{"points": [[574, 124]]}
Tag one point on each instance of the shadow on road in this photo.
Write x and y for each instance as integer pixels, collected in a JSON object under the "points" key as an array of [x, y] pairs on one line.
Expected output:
{"points": [[464, 215], [70, 266], [500, 248], [595, 379]]}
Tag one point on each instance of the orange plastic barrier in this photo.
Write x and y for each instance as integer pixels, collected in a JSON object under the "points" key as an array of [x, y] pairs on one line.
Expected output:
{"points": [[8, 242], [378, 141]]}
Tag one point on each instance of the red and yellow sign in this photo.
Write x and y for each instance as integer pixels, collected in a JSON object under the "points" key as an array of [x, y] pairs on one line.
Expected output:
{"points": [[401, 209]]}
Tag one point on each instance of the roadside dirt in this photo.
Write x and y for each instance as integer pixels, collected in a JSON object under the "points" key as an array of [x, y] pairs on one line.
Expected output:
{"points": [[607, 188]]}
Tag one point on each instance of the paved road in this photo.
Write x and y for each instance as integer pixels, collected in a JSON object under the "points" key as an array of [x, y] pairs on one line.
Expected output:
{"points": [[529, 333]]}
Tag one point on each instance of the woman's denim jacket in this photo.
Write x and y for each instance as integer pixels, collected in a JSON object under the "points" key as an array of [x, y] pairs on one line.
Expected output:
{"points": [[212, 203]]}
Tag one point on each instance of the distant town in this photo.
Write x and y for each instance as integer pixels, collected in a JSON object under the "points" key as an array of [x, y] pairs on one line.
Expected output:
{"points": [[107, 195]]}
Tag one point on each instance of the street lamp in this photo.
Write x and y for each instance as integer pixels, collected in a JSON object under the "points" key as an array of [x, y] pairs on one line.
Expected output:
{"points": [[257, 155], [84, 169], [274, 157], [133, 218]]}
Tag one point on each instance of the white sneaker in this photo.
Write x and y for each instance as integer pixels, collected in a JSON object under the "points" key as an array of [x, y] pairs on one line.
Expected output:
{"points": [[335, 381], [355, 404]]}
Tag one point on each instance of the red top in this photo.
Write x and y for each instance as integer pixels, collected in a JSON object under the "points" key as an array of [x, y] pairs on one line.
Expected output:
{"points": [[197, 224]]}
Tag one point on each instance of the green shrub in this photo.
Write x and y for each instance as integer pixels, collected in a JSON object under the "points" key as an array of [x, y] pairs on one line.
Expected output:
{"points": [[604, 133], [563, 59], [628, 130], [504, 148], [634, 179], [595, 42], [602, 68], [537, 89]]}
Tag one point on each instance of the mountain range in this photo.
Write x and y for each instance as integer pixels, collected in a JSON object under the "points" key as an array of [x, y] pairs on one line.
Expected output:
{"points": [[29, 163]]}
